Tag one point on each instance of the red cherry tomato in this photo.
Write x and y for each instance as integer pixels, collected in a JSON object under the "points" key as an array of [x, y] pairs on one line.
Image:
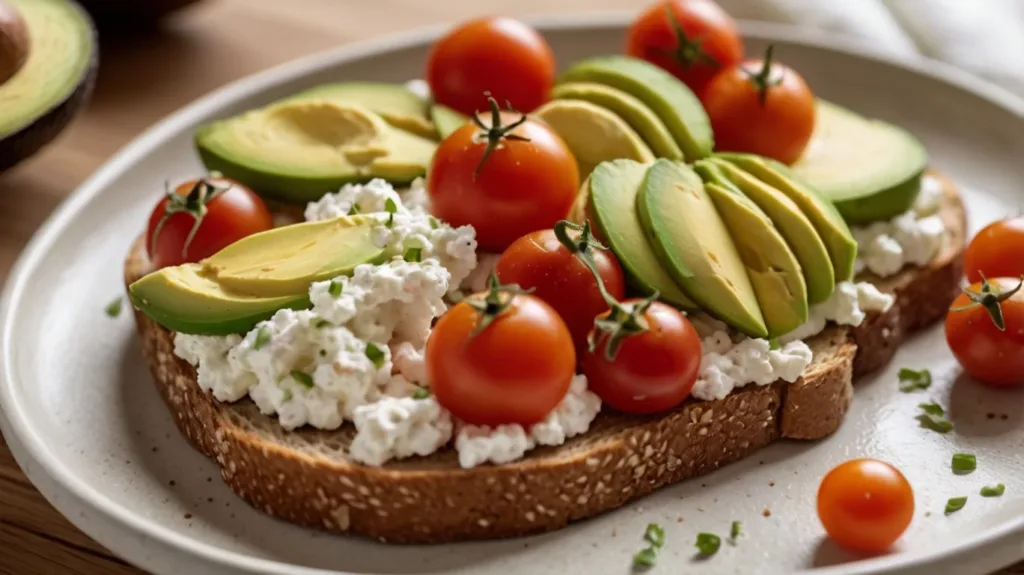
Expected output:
{"points": [[761, 107], [997, 251], [652, 371], [216, 211], [516, 369], [692, 39], [526, 183], [554, 268], [498, 55], [865, 505], [989, 354]]}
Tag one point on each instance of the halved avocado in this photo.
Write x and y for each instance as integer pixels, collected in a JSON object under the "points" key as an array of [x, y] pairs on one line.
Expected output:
{"points": [[674, 103], [612, 208], [447, 120], [871, 170], [842, 247], [395, 103], [593, 134], [56, 80], [794, 226], [298, 150], [771, 265], [695, 247], [632, 110]]}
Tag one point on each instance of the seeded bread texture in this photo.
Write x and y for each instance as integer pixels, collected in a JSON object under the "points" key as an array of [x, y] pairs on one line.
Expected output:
{"points": [[304, 476]]}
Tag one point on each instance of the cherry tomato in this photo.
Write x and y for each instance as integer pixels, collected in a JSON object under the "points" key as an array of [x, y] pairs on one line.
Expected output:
{"points": [[515, 368], [997, 251], [216, 211], [498, 55], [989, 354], [692, 39], [527, 181], [865, 505], [651, 371], [554, 268], [761, 107]]}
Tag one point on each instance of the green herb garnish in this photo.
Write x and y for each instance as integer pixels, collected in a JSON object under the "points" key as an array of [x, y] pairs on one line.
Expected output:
{"points": [[413, 254], [707, 544], [654, 535], [434, 224], [996, 490], [773, 343], [113, 308], [390, 207], [955, 504], [421, 393], [734, 530], [303, 378], [374, 354], [354, 210], [964, 463], [645, 558], [262, 338], [335, 288], [319, 322], [934, 418], [913, 380], [288, 396]]}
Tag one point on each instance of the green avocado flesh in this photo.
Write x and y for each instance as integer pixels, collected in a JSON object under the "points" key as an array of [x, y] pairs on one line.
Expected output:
{"points": [[447, 120], [61, 51], [612, 191], [396, 104], [694, 245], [670, 100], [593, 134], [794, 226], [773, 270], [639, 117], [870, 169], [249, 280], [830, 225], [298, 150]]}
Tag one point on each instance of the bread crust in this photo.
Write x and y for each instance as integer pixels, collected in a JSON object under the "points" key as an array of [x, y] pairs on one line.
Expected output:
{"points": [[303, 476]]}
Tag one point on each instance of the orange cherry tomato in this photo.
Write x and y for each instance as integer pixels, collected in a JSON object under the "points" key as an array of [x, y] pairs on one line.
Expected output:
{"points": [[515, 368], [527, 181], [650, 371], [989, 354], [865, 505], [691, 39], [997, 251], [553, 267], [761, 107], [215, 212], [498, 55]]}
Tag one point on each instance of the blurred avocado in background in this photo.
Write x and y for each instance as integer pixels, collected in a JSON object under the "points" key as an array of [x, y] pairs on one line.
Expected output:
{"points": [[131, 13]]}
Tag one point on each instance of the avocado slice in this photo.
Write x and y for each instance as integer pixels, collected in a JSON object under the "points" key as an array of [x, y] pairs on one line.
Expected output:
{"points": [[182, 299], [395, 103], [870, 169], [447, 120], [55, 80], [841, 245], [674, 103], [612, 208], [631, 109], [298, 150], [772, 267], [694, 245], [286, 260], [794, 226], [593, 134]]}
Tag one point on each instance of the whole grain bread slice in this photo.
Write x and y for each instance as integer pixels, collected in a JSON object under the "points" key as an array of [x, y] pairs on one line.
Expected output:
{"points": [[305, 477]]}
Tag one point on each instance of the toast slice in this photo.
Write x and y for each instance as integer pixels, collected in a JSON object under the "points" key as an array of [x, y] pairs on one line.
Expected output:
{"points": [[304, 476]]}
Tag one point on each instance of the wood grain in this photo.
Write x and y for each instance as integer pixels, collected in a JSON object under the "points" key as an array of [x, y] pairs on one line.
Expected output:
{"points": [[141, 80]]}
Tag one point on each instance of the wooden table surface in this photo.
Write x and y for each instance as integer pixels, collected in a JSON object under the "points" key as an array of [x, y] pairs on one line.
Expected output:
{"points": [[141, 80]]}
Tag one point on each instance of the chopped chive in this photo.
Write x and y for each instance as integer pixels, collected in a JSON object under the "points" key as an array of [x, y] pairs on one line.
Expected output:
{"points": [[996, 490], [303, 378], [707, 544], [320, 323], [932, 408], [390, 207], [262, 338], [421, 393], [413, 254], [913, 380], [113, 308], [645, 558], [654, 535], [964, 463], [955, 504], [934, 418], [434, 224], [374, 354], [734, 530], [335, 288], [354, 210]]}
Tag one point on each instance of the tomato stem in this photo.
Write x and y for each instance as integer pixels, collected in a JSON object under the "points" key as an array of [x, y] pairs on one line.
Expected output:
{"points": [[496, 131], [194, 204], [494, 303], [762, 79], [991, 299], [687, 51]]}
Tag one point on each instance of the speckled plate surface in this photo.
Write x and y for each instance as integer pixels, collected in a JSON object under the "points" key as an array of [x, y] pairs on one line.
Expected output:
{"points": [[84, 420]]}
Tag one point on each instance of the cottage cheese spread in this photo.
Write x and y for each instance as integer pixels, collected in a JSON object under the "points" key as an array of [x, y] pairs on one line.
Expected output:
{"points": [[394, 428], [848, 305], [726, 365], [912, 238], [573, 416]]}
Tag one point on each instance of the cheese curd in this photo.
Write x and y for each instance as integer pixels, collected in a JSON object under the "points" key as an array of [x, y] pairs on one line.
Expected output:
{"points": [[848, 305], [481, 444], [725, 365], [396, 428], [912, 238]]}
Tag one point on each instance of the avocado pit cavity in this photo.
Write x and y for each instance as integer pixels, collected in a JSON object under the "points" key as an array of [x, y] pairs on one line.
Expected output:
{"points": [[14, 41]]}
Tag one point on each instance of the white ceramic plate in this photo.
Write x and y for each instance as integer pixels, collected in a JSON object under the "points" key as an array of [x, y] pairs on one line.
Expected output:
{"points": [[84, 420]]}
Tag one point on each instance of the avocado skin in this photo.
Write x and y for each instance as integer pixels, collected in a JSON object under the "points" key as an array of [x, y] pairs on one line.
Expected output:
{"points": [[28, 140], [208, 325]]}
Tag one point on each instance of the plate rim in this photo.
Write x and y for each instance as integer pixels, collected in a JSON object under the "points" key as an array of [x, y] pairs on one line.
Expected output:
{"points": [[30, 449]]}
